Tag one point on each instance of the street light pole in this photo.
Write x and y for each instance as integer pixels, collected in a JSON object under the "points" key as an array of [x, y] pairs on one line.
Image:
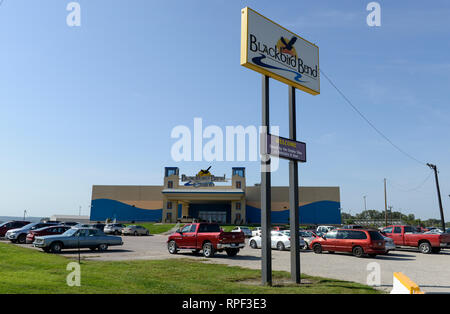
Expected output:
{"points": [[365, 206]]}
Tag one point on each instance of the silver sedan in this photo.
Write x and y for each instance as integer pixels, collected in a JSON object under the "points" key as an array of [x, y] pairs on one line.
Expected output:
{"points": [[135, 230]]}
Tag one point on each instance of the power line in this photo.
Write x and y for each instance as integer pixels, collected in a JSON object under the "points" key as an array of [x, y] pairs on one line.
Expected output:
{"points": [[415, 188], [370, 123]]}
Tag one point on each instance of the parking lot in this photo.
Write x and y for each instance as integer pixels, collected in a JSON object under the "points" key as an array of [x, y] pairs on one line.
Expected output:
{"points": [[430, 271]]}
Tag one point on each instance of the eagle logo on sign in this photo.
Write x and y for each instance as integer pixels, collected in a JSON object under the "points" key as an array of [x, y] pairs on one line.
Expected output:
{"points": [[287, 46]]}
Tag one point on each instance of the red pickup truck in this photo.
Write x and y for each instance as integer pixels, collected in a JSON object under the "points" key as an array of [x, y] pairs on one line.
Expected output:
{"points": [[206, 237], [408, 236]]}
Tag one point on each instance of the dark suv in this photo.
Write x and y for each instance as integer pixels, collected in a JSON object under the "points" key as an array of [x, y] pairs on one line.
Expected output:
{"points": [[4, 227]]}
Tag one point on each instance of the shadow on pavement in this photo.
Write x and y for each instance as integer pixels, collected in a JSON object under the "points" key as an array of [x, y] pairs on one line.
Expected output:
{"points": [[83, 251]]}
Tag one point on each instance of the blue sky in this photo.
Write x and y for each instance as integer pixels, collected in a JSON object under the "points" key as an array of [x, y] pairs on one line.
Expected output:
{"points": [[96, 104]]}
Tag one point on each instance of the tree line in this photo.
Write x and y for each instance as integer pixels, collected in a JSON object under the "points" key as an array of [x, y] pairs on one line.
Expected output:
{"points": [[408, 219]]}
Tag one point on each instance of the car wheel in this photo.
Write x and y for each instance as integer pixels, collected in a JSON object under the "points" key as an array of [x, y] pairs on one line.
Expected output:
{"points": [[208, 250], [172, 247], [317, 248], [103, 247], [280, 246], [135, 233], [116, 232], [232, 252], [358, 251], [253, 244], [147, 233], [56, 247], [425, 248], [22, 239]]}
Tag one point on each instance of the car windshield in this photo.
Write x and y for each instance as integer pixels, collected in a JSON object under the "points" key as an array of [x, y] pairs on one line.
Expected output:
{"points": [[70, 232], [29, 226]]}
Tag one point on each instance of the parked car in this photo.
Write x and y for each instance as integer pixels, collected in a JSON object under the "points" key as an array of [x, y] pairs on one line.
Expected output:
{"points": [[246, 230], [135, 230], [98, 226], [352, 227], [8, 225], [70, 223], [185, 219], [113, 228], [406, 236], [389, 244], [434, 231], [359, 242], [301, 240], [49, 230], [91, 238], [256, 232], [205, 237], [321, 230], [279, 241], [20, 235], [308, 237]]}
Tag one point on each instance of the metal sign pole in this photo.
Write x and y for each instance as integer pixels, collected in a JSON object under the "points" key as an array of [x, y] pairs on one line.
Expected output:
{"points": [[293, 194], [266, 253]]}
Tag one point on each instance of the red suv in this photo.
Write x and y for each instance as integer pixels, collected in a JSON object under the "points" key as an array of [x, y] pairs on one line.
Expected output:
{"points": [[6, 226], [357, 241], [49, 230]]}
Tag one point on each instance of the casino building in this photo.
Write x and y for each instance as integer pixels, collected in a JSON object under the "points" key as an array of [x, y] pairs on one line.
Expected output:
{"points": [[199, 197]]}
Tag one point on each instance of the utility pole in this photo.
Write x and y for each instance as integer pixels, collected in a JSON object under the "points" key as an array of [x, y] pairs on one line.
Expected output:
{"points": [[390, 210], [365, 207], [439, 194], [385, 204]]}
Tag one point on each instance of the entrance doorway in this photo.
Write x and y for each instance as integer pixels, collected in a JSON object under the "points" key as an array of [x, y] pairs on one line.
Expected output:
{"points": [[219, 217]]}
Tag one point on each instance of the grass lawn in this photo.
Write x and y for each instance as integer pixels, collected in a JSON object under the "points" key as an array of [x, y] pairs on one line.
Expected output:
{"points": [[155, 228], [23, 270]]}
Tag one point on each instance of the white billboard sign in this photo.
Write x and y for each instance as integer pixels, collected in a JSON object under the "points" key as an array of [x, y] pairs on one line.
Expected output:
{"points": [[272, 50]]}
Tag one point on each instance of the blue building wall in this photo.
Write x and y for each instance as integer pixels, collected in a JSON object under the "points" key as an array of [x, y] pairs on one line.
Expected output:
{"points": [[105, 208], [317, 213], [323, 212]]}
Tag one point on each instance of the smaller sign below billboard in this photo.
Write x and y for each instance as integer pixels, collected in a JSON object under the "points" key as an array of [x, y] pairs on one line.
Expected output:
{"points": [[285, 148]]}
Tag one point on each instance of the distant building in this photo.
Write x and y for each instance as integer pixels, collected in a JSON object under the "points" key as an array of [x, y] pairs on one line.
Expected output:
{"points": [[68, 218], [198, 197]]}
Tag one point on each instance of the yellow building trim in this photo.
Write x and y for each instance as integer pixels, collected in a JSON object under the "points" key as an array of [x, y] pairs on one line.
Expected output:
{"points": [[150, 205]]}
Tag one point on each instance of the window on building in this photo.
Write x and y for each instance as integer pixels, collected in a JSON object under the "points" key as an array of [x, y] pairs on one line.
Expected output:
{"points": [[170, 171], [170, 184], [169, 205], [239, 172], [238, 184], [238, 205]]}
